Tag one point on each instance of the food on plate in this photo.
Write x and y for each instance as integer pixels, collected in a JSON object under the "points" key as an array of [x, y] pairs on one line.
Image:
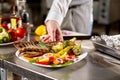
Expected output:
{"points": [[60, 45], [41, 44], [17, 33], [31, 54], [20, 32], [59, 53], [5, 26], [12, 35], [30, 49], [4, 36], [76, 49], [11, 30]]}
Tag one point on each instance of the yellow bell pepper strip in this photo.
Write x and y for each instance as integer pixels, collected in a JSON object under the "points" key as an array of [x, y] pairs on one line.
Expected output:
{"points": [[63, 56], [73, 39], [44, 61], [65, 50]]}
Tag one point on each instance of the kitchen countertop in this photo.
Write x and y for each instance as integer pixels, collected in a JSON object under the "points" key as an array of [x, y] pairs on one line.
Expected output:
{"points": [[87, 69], [93, 67]]}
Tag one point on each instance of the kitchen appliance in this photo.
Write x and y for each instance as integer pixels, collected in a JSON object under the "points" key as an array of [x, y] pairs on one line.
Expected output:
{"points": [[106, 11]]}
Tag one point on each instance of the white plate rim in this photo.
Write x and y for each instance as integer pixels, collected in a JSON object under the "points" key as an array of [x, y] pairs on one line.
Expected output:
{"points": [[80, 57], [9, 43]]}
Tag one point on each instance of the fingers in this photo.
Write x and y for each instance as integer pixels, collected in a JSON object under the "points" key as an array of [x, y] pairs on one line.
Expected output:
{"points": [[54, 36], [46, 39], [59, 36], [54, 32]]}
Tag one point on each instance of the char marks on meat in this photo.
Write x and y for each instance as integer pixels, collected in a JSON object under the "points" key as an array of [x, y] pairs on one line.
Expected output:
{"points": [[30, 49], [31, 54], [31, 46]]}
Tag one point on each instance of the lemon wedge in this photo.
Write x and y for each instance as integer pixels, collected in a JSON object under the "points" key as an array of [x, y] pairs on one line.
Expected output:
{"points": [[40, 30]]}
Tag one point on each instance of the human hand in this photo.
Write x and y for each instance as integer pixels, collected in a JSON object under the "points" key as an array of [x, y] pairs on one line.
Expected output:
{"points": [[54, 32]]}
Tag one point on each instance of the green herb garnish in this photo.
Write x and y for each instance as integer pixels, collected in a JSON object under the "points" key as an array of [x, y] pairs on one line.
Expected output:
{"points": [[32, 61], [44, 45]]}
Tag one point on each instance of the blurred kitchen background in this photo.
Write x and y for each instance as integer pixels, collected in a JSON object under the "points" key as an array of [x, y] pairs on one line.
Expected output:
{"points": [[106, 13]]}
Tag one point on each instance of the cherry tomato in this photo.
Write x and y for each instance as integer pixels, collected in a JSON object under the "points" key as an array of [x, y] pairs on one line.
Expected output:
{"points": [[52, 58], [13, 35], [20, 32], [5, 26]]}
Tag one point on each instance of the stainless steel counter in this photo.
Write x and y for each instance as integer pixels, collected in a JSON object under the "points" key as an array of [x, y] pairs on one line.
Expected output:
{"points": [[93, 67], [87, 69]]}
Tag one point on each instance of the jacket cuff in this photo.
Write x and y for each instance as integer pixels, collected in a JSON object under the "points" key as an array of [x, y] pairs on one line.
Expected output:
{"points": [[53, 15]]}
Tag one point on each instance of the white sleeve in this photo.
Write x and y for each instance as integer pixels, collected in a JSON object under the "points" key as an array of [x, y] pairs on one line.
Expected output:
{"points": [[58, 10]]}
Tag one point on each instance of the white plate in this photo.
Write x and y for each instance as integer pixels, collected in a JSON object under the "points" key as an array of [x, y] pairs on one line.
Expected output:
{"points": [[9, 43], [79, 58]]}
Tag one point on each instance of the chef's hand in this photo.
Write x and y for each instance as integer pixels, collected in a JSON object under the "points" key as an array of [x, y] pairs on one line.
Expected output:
{"points": [[54, 32]]}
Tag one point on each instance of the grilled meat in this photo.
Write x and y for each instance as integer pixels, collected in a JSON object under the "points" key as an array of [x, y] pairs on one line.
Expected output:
{"points": [[31, 46], [31, 54], [30, 49]]}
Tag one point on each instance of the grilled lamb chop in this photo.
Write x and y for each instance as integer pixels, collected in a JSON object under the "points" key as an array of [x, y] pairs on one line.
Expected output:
{"points": [[30, 49], [31, 54]]}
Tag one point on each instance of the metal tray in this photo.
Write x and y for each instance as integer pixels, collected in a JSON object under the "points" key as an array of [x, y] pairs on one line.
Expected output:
{"points": [[109, 45], [106, 49]]}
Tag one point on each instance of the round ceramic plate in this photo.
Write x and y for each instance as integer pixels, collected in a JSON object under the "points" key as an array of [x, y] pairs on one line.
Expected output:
{"points": [[79, 58], [9, 43]]}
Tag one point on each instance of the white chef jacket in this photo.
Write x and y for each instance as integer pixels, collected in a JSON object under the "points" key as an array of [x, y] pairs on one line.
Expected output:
{"points": [[74, 15]]}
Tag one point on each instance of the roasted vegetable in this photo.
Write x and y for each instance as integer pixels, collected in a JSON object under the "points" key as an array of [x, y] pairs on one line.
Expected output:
{"points": [[77, 49], [73, 39], [70, 42], [65, 50], [57, 47], [63, 55], [4, 36]]}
